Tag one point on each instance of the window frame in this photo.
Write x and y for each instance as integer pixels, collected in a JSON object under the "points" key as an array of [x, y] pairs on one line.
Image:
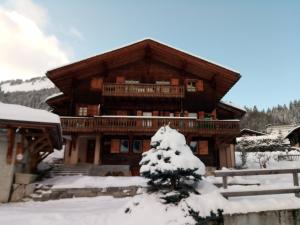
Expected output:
{"points": [[140, 146], [121, 145]]}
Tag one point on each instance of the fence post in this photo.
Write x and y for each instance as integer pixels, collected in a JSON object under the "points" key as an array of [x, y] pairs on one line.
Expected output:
{"points": [[225, 182], [296, 182]]}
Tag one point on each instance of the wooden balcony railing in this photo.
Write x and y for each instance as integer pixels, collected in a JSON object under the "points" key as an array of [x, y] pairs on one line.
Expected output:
{"points": [[143, 90], [118, 124]]}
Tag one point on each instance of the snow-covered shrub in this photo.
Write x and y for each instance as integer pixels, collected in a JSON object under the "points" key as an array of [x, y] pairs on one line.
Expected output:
{"points": [[244, 156], [263, 143], [262, 159], [170, 165]]}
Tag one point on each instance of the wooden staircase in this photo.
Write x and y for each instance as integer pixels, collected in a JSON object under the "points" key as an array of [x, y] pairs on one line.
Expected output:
{"points": [[70, 170]]}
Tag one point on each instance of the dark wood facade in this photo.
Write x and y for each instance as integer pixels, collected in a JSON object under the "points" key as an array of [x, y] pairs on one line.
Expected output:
{"points": [[114, 103]]}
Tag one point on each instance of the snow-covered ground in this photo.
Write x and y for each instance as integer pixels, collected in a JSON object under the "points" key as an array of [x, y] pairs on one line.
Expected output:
{"points": [[94, 182], [148, 208]]}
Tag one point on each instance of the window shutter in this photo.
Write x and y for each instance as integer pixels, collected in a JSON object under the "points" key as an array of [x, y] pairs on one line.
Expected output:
{"points": [[96, 84], [203, 148], [120, 80], [201, 115], [155, 113], [146, 145], [174, 82], [92, 110], [214, 115], [199, 85], [115, 146]]}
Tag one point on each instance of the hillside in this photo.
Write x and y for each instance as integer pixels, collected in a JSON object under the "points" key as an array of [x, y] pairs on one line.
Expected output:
{"points": [[33, 92], [280, 115], [30, 93]]}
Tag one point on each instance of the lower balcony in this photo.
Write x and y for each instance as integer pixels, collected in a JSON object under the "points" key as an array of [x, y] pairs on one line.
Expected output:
{"points": [[135, 124]]}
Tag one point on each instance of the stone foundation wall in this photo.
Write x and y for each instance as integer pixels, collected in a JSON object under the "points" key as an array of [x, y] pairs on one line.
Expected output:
{"points": [[6, 170], [279, 217]]}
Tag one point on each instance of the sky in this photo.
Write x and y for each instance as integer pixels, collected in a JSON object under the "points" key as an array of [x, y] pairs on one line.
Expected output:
{"points": [[259, 39]]}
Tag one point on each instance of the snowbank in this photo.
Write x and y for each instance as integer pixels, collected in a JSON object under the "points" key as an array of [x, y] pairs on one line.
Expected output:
{"points": [[23, 113], [94, 182]]}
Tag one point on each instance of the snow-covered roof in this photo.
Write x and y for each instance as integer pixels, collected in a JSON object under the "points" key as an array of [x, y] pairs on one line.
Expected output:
{"points": [[252, 131], [291, 131], [232, 105], [258, 138], [22, 113], [54, 96], [283, 130]]}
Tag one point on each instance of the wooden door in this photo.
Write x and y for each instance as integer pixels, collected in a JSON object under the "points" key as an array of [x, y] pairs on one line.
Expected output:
{"points": [[90, 151]]}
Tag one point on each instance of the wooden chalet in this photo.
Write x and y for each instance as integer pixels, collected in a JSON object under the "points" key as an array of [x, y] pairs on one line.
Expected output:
{"points": [[111, 104]]}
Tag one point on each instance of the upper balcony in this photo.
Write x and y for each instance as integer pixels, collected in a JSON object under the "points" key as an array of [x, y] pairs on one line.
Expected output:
{"points": [[143, 90], [121, 124]]}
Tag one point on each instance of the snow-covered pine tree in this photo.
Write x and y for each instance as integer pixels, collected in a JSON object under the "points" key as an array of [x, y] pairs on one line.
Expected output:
{"points": [[170, 165]]}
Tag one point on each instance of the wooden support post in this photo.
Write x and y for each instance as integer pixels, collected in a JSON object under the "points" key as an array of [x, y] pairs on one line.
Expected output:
{"points": [[97, 156], [225, 185], [10, 145], [75, 150]]}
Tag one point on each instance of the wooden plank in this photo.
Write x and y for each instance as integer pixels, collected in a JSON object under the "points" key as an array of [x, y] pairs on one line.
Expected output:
{"points": [[227, 194], [220, 173]]}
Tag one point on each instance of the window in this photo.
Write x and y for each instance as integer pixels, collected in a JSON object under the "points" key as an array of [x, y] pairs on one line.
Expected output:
{"points": [[114, 145], [192, 123], [147, 122], [162, 82], [124, 146], [137, 146], [132, 82], [82, 111], [191, 85], [193, 146]]}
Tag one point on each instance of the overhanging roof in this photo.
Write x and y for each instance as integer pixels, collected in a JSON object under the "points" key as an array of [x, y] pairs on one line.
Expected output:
{"points": [[222, 77]]}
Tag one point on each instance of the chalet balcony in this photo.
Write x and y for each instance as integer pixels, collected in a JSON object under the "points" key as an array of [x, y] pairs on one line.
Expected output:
{"points": [[143, 90], [134, 124]]}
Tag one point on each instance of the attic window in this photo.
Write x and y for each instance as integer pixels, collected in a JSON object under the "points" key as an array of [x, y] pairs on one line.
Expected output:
{"points": [[191, 85], [82, 111]]}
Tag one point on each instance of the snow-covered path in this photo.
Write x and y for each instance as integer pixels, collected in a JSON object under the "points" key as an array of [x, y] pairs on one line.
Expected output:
{"points": [[79, 211]]}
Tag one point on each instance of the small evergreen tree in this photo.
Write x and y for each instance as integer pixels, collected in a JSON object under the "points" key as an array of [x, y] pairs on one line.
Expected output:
{"points": [[170, 165]]}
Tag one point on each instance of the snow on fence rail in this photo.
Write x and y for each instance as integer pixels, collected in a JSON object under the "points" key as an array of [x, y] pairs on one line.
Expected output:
{"points": [[231, 173], [289, 157]]}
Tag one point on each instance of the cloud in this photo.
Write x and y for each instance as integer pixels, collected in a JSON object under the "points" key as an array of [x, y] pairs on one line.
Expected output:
{"points": [[26, 49], [75, 33]]}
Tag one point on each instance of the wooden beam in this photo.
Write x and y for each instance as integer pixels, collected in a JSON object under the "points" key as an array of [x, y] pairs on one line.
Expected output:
{"points": [[10, 145], [227, 194]]}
